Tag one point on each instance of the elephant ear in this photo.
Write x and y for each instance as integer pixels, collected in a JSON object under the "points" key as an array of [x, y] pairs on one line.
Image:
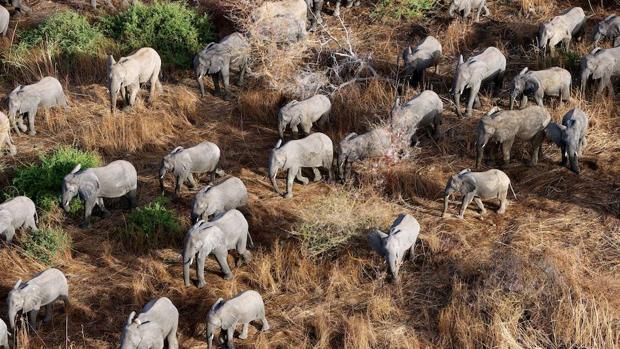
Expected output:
{"points": [[468, 184], [595, 50], [132, 315], [216, 306], [554, 133], [531, 85], [375, 241], [279, 144], [524, 71], [110, 62], [177, 149], [17, 284], [460, 60], [28, 101], [32, 300], [464, 171], [76, 169], [603, 68], [494, 110], [349, 136]]}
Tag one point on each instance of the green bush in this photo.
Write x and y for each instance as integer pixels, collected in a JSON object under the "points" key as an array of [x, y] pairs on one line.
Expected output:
{"points": [[42, 182], [152, 226], [173, 29], [46, 245], [402, 9]]}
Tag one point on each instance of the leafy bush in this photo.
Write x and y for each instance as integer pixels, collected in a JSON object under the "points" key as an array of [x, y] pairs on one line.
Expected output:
{"points": [[402, 9], [174, 30], [152, 226], [46, 245], [42, 182]]}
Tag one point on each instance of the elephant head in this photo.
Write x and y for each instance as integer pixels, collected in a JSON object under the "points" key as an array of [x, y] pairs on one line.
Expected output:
{"points": [[523, 84], [348, 152], [212, 59], [70, 187], [193, 244], [457, 6], [219, 318], [592, 66], [168, 163], [457, 183], [285, 117], [606, 28], [486, 130], [462, 78], [568, 140], [116, 80], [137, 335], [276, 162], [545, 32], [200, 206], [22, 101], [22, 298], [387, 246]]}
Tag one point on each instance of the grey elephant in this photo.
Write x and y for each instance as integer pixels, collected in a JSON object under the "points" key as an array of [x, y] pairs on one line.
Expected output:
{"points": [[540, 83], [18, 212], [5, 135], [601, 65], [156, 323], [570, 136], [42, 290], [19, 5], [281, 29], [124, 3], [608, 28], [26, 100], [298, 9], [314, 151], [183, 163], [4, 20], [226, 232], [425, 55], [118, 178], [423, 111], [217, 199], [4, 335], [489, 66], [504, 126], [394, 245], [304, 114], [561, 29], [465, 7], [244, 308], [126, 75], [353, 147], [218, 59], [478, 186]]}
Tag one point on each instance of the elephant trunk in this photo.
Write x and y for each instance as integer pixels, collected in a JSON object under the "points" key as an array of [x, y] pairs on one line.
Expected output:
{"points": [[574, 163], [113, 96], [273, 172], [281, 127], [513, 97], [451, 10], [66, 200], [187, 262], [480, 144], [585, 74], [12, 315], [446, 198], [210, 335], [457, 101], [391, 259], [162, 174], [597, 37]]}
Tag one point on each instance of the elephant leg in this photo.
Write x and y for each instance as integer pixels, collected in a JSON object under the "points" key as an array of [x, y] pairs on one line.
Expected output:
{"points": [[154, 87], [290, 178], [101, 205], [306, 127], [244, 66], [478, 202], [173, 343], [48, 313], [330, 169], [132, 196], [9, 233], [88, 211], [180, 180], [20, 123], [503, 202], [216, 84], [32, 319], [539, 99], [478, 13], [226, 78], [221, 258], [230, 332], [477, 103], [201, 85], [506, 146], [192, 182], [123, 96], [466, 201], [523, 101], [200, 270], [265, 325], [317, 174], [295, 130], [536, 145], [133, 93], [244, 331], [31, 116], [31, 223], [300, 177], [564, 160], [473, 93]]}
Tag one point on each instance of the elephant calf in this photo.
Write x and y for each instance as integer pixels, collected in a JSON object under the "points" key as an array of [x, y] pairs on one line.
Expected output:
{"points": [[465, 7], [504, 126], [244, 308], [157, 322], [227, 232], [602, 65], [353, 147], [570, 136], [4, 335], [304, 114], [17, 213], [425, 55], [423, 111], [5, 135], [478, 186], [538, 84], [561, 28], [42, 290], [4, 20], [218, 59], [270, 9], [26, 100], [183, 163], [394, 245], [315, 150], [118, 178], [608, 28], [217, 199]]}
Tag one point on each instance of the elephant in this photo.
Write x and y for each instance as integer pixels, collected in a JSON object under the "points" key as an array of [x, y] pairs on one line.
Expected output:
{"points": [[126, 75], [245, 307], [304, 114], [226, 232], [465, 7], [5, 135], [423, 111], [561, 28], [218, 59], [25, 100], [504, 126], [478, 186], [315, 150], [4, 20], [16, 213], [42, 290], [281, 29], [118, 178], [157, 322], [124, 4], [570, 136], [425, 55], [4, 335], [488, 66], [182, 162], [608, 28], [298, 9], [394, 245], [538, 84], [19, 5], [600, 64], [217, 199], [353, 147]]}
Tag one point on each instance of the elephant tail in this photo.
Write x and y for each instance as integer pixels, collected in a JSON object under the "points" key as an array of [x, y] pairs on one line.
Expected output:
{"points": [[36, 216], [251, 241], [512, 190]]}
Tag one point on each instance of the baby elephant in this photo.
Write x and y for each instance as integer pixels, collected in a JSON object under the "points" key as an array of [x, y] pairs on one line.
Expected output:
{"points": [[5, 135], [570, 136], [4, 335], [538, 84], [158, 321], [244, 308], [42, 290], [26, 100], [353, 147], [394, 245], [304, 114], [217, 199], [602, 65], [478, 186], [561, 28], [504, 126], [4, 20], [315, 150], [183, 163], [608, 28], [17, 213], [465, 7], [423, 111], [425, 55], [118, 178], [227, 232]]}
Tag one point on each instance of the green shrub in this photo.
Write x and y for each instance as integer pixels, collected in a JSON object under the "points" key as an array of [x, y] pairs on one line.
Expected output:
{"points": [[402, 9], [152, 226], [42, 182], [173, 29], [46, 245]]}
